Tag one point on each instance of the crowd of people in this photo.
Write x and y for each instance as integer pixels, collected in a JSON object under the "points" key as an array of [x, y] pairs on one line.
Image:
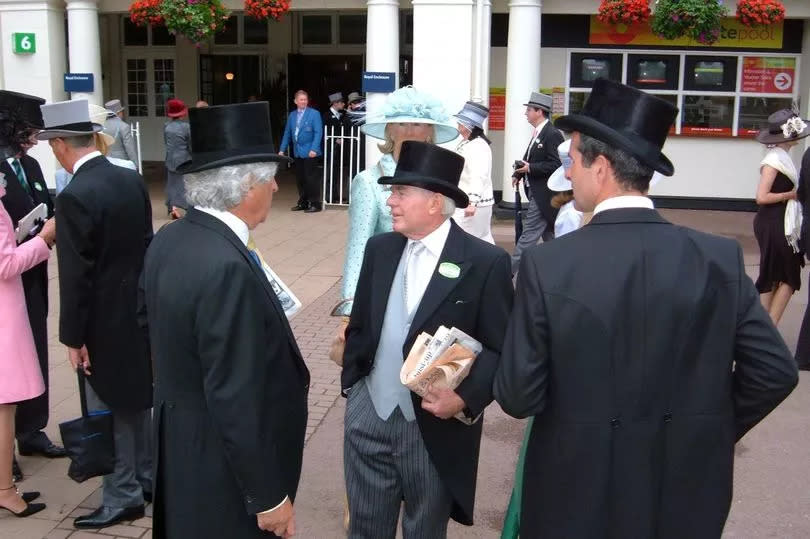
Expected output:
{"points": [[640, 350]]}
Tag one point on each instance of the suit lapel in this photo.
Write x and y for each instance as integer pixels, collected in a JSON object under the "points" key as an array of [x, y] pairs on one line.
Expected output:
{"points": [[385, 266], [440, 286]]}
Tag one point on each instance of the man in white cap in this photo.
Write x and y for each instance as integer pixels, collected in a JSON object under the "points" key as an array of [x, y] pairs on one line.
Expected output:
{"points": [[123, 146]]}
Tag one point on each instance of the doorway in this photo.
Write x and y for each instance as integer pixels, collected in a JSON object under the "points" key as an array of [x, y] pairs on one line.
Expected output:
{"points": [[226, 79]]}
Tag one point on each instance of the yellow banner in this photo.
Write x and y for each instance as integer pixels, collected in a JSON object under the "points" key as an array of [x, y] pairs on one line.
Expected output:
{"points": [[733, 34]]}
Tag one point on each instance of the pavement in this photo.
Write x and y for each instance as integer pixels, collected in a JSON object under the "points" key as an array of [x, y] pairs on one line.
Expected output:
{"points": [[771, 498]]}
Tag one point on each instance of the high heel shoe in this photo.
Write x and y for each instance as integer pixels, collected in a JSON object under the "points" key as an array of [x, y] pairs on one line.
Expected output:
{"points": [[29, 497], [30, 508]]}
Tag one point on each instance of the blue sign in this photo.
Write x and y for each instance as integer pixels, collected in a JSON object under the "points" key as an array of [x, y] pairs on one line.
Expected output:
{"points": [[78, 82], [379, 82]]}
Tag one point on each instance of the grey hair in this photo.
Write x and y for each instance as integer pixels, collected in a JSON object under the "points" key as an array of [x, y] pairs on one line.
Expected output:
{"points": [[80, 141], [225, 187], [448, 206], [629, 172]]}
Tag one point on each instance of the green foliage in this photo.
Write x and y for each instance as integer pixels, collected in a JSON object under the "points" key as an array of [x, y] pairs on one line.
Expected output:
{"points": [[698, 19]]}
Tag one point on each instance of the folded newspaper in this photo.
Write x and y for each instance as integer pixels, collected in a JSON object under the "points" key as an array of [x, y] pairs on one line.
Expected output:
{"points": [[289, 302], [442, 360]]}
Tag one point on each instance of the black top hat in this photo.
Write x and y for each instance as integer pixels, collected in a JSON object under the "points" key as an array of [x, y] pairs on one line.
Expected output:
{"points": [[627, 119], [782, 127], [229, 135], [26, 105], [430, 167]]}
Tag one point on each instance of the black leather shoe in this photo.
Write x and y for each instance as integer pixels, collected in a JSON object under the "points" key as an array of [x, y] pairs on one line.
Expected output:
{"points": [[313, 209], [147, 496], [16, 471], [30, 509], [49, 450], [300, 206], [108, 516]]}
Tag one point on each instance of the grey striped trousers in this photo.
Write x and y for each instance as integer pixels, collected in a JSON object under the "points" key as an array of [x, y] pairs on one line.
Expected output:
{"points": [[386, 463]]}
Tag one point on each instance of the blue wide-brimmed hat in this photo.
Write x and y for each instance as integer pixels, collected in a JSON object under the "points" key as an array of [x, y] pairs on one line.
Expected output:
{"points": [[409, 105]]}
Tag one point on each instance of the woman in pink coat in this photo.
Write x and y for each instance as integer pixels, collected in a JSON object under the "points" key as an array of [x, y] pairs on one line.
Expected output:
{"points": [[20, 376]]}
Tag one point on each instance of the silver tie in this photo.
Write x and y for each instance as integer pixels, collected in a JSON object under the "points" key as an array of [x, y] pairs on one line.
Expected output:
{"points": [[411, 265]]}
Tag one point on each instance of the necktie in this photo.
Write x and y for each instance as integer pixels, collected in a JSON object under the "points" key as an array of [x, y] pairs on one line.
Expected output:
{"points": [[255, 255], [15, 164], [409, 278], [298, 122]]}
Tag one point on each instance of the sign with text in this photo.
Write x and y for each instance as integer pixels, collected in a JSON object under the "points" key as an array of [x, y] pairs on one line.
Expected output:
{"points": [[497, 109], [732, 34], [763, 75], [24, 43], [379, 82], [78, 82]]}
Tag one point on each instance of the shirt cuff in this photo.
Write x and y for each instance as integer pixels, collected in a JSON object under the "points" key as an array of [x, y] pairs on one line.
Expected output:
{"points": [[276, 507]]}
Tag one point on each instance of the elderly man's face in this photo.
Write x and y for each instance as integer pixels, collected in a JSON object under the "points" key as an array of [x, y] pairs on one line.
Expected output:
{"points": [[258, 201], [60, 152], [414, 210]]}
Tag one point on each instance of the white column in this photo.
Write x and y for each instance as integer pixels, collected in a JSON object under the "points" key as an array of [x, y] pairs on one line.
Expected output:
{"points": [[39, 73], [481, 50], [522, 78], [442, 55], [382, 55], [84, 46]]}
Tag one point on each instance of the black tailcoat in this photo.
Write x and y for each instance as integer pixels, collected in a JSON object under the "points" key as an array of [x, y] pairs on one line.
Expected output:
{"points": [[103, 226], [644, 353], [544, 159], [230, 384], [477, 302]]}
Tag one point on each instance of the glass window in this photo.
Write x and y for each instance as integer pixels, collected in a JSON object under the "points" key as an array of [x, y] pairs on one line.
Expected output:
{"points": [[653, 72], [586, 68], [164, 84], [576, 100], [406, 28], [135, 36], [161, 36], [754, 112], [713, 74], [137, 98], [316, 29], [229, 35], [710, 115], [352, 29], [255, 31]]}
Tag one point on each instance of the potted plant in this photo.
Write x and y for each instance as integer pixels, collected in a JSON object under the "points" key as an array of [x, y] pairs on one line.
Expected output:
{"points": [[264, 9], [698, 19], [146, 13], [760, 12], [628, 12], [196, 19]]}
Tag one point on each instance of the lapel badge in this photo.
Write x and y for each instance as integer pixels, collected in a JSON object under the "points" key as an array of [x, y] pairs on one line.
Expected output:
{"points": [[38, 186], [449, 270]]}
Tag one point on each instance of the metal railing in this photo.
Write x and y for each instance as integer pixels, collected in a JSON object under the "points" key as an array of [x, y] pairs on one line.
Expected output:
{"points": [[341, 162], [135, 129]]}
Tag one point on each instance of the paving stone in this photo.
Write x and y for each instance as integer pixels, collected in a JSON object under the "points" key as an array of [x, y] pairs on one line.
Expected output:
{"points": [[123, 530], [58, 534]]}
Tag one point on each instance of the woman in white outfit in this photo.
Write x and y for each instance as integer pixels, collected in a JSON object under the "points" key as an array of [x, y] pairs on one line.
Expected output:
{"points": [[476, 178], [569, 217]]}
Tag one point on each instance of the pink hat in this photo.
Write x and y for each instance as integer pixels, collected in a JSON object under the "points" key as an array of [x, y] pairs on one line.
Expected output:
{"points": [[175, 108]]}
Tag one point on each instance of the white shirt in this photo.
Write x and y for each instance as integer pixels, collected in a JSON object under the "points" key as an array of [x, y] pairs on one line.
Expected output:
{"points": [[83, 160], [539, 128], [626, 201], [568, 220], [476, 176], [426, 261]]}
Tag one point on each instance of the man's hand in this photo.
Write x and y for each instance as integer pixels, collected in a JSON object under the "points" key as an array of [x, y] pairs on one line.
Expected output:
{"points": [[281, 153], [48, 232], [469, 211], [523, 169], [312, 154], [80, 358], [443, 403], [280, 521]]}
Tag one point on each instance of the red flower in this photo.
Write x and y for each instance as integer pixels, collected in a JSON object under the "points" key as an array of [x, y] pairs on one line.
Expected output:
{"points": [[760, 12]]}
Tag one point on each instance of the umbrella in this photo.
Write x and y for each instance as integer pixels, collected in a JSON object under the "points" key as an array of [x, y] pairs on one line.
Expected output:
{"points": [[518, 215]]}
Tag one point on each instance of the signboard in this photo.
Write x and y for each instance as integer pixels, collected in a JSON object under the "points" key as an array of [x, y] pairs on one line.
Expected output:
{"points": [[557, 100], [497, 109], [78, 82], [24, 43], [762, 75], [379, 82], [732, 34]]}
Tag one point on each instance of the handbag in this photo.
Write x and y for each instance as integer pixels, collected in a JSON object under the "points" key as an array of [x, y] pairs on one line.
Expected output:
{"points": [[89, 441]]}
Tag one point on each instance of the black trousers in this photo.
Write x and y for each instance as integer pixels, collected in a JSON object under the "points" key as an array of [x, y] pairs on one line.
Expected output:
{"points": [[309, 185], [32, 415]]}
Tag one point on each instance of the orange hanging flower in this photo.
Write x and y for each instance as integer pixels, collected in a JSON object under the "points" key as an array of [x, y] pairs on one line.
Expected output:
{"points": [[623, 11], [760, 12], [262, 9]]}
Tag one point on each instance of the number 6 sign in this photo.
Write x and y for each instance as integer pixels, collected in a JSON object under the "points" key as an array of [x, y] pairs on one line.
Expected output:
{"points": [[24, 43]]}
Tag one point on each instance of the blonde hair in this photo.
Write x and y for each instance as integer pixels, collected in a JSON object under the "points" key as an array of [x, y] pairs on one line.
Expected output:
{"points": [[101, 144], [388, 145], [561, 199]]}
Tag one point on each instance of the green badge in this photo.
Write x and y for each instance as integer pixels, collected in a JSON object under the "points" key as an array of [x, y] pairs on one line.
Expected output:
{"points": [[38, 186], [449, 270]]}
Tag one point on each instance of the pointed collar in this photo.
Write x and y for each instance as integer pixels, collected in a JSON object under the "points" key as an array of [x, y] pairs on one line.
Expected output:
{"points": [[231, 221]]}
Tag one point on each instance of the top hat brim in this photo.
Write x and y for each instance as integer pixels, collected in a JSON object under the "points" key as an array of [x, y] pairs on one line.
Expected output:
{"points": [[538, 105], [639, 148], [766, 137], [209, 160], [431, 184], [48, 134]]}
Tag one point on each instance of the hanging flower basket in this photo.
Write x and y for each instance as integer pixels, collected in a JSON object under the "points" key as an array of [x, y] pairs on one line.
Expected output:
{"points": [[264, 9], [627, 12], [698, 19], [760, 12], [146, 13], [196, 19]]}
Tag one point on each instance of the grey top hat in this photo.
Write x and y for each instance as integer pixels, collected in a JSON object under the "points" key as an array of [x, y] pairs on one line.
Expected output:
{"points": [[335, 97], [67, 119], [114, 106], [354, 96], [473, 114], [539, 100]]}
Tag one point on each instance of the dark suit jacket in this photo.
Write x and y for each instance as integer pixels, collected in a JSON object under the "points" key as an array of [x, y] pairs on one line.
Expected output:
{"points": [[230, 384], [804, 197], [478, 303], [544, 159], [644, 353], [104, 224]]}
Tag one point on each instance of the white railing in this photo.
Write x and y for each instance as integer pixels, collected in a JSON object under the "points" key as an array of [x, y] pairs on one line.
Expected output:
{"points": [[135, 129], [341, 162]]}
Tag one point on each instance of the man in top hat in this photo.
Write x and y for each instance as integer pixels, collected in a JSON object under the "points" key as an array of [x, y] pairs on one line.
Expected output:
{"points": [[337, 125], [123, 146], [539, 160], [397, 446], [104, 226], [640, 347], [231, 393], [25, 190], [305, 132]]}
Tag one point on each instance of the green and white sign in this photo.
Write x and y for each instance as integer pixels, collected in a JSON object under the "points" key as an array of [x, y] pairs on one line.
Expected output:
{"points": [[24, 43]]}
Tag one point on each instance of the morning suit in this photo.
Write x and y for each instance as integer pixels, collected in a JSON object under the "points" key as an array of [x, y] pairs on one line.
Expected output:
{"points": [[336, 124], [177, 137], [644, 353], [19, 200], [105, 225], [230, 384], [543, 159], [475, 301], [305, 135], [124, 145]]}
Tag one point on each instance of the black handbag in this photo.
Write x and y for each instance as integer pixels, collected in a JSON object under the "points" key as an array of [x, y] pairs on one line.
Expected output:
{"points": [[89, 441]]}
